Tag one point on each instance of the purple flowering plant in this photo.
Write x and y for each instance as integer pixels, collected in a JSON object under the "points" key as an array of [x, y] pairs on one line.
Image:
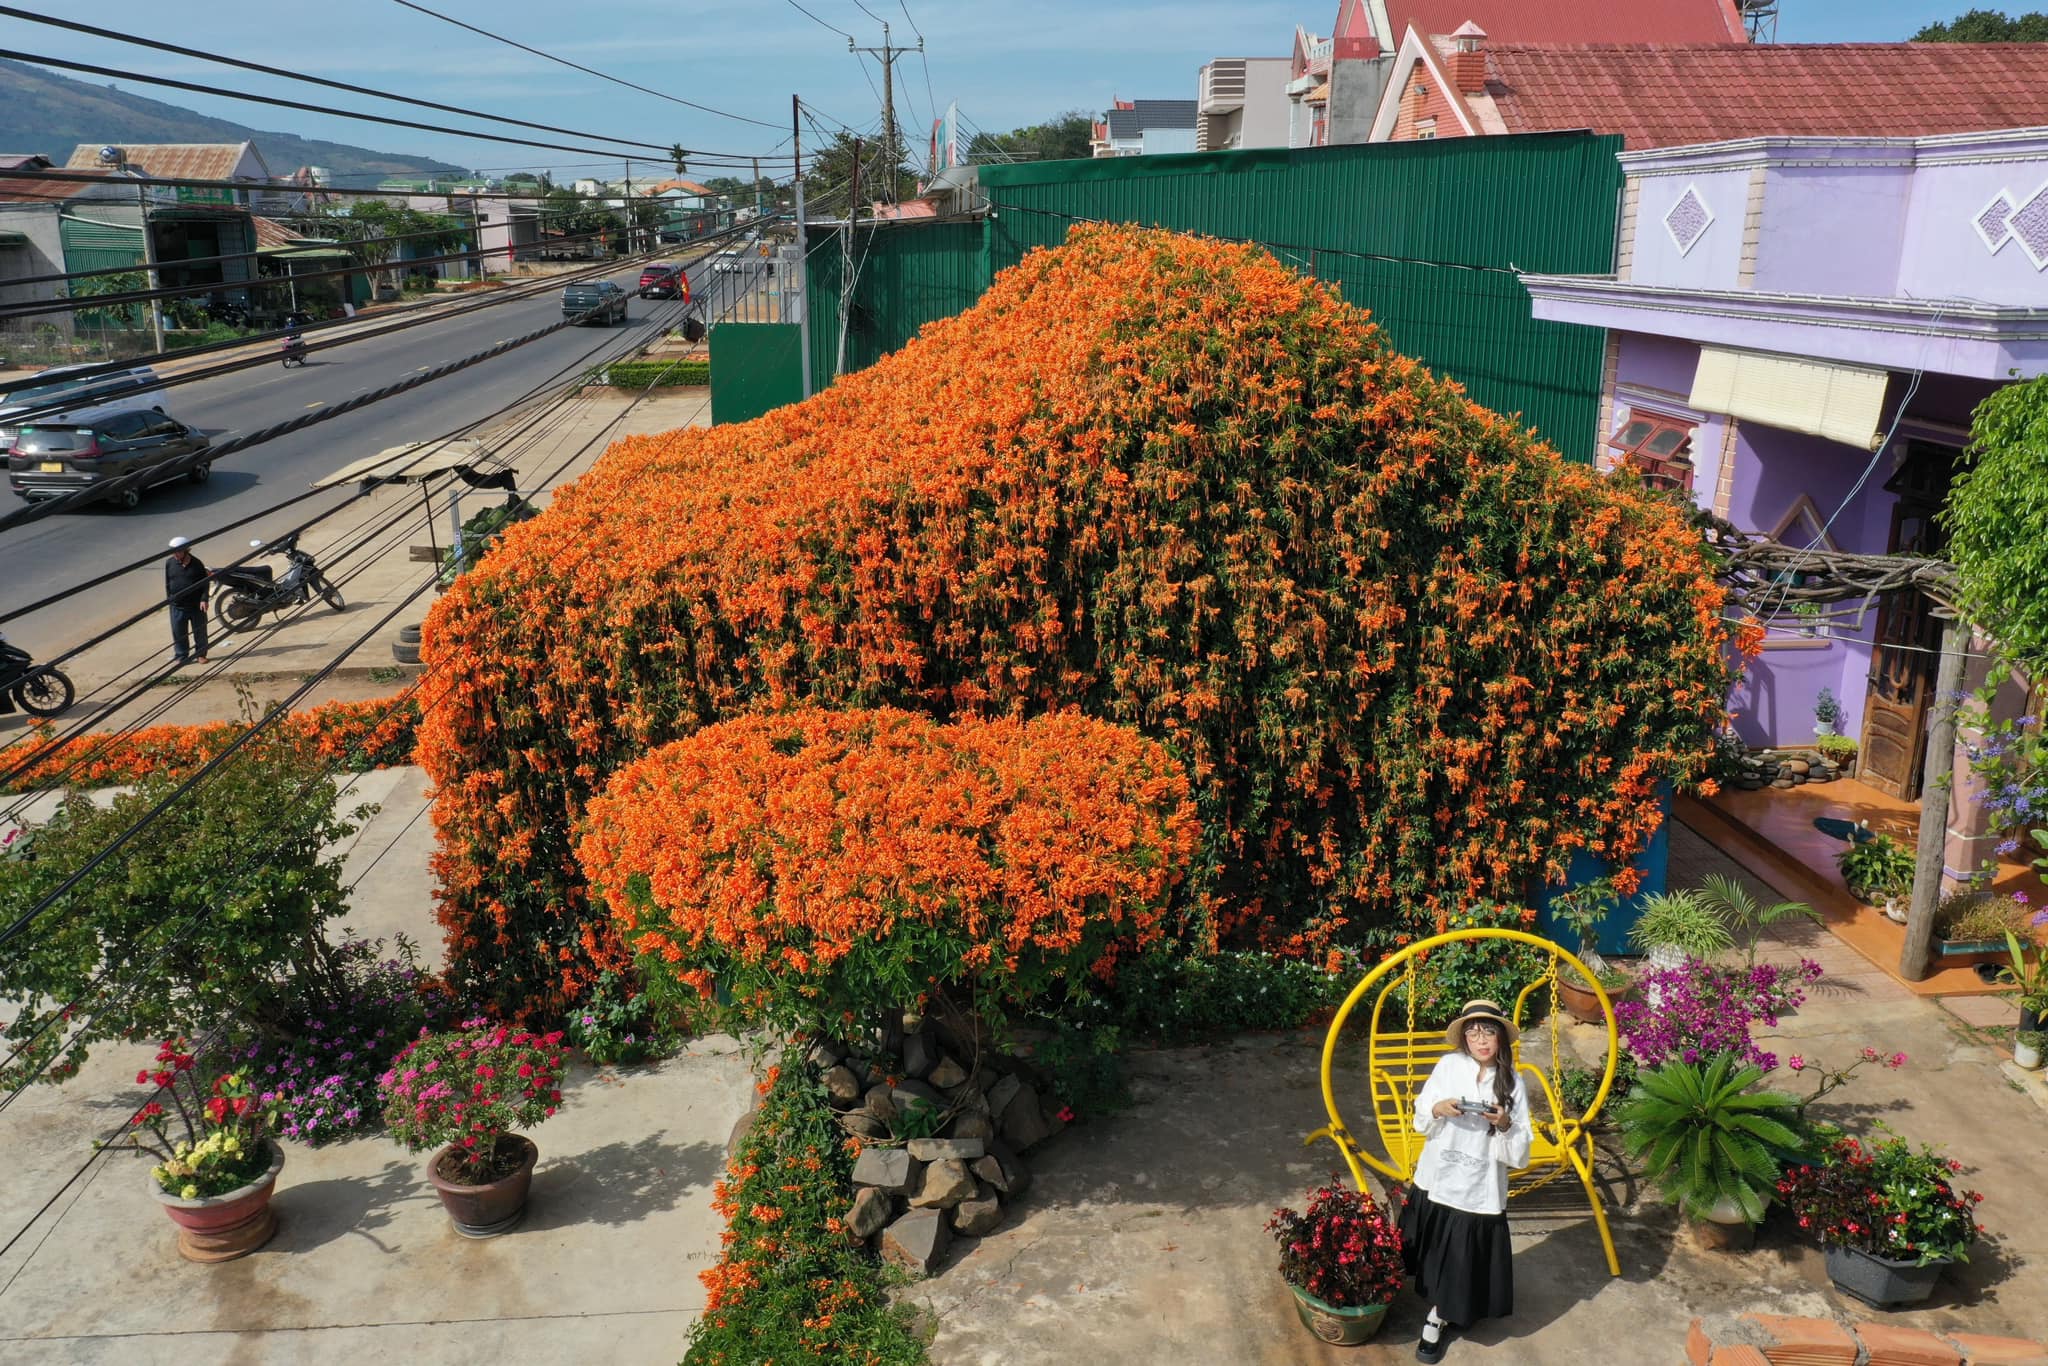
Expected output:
{"points": [[1696, 1010], [321, 1078]]}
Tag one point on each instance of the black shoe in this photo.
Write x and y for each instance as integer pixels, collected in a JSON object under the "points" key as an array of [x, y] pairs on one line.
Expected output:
{"points": [[1432, 1352]]}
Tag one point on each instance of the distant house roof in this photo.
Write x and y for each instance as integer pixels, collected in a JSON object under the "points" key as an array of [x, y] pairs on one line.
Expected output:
{"points": [[1132, 118], [678, 186], [24, 161], [76, 185], [1546, 21], [175, 160], [1669, 96]]}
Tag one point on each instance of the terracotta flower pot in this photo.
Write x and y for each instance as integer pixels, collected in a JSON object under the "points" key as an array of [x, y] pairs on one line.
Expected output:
{"points": [[1724, 1229], [492, 1208], [220, 1228], [1582, 1005], [1344, 1327]]}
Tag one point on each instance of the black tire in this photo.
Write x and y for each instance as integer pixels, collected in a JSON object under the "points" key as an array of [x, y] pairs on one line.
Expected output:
{"points": [[200, 472], [128, 499], [43, 692], [405, 652], [236, 612], [329, 594], [409, 635]]}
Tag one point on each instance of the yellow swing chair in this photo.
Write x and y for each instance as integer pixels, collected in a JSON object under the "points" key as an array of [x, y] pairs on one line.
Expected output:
{"points": [[1399, 1061]]}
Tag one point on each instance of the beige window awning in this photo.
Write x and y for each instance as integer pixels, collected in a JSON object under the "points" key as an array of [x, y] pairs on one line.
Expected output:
{"points": [[1842, 403]]}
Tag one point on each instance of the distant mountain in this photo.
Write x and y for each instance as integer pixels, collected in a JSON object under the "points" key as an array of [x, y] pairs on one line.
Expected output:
{"points": [[51, 114]]}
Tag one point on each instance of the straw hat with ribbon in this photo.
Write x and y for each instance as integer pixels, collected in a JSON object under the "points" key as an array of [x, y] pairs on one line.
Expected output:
{"points": [[1488, 1012]]}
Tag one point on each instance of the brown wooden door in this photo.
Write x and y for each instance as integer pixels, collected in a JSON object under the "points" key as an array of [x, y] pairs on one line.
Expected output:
{"points": [[1902, 662]]}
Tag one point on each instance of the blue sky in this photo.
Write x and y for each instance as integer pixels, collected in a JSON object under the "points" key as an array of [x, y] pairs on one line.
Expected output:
{"points": [[1006, 64]]}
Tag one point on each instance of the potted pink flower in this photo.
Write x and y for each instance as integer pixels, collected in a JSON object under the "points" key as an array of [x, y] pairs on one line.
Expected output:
{"points": [[1342, 1261], [216, 1180], [462, 1093]]}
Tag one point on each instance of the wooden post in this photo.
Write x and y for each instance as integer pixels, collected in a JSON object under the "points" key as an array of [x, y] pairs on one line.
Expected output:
{"points": [[1934, 802]]}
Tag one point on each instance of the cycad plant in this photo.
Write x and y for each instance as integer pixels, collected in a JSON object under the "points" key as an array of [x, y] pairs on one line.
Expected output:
{"points": [[1709, 1139]]}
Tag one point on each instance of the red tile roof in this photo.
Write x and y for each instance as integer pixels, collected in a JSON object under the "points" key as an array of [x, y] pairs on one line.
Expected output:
{"points": [[171, 160], [15, 189], [1669, 96], [1570, 21]]}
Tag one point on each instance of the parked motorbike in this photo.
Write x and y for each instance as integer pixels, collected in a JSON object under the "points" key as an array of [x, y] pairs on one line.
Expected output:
{"points": [[247, 591], [37, 689]]}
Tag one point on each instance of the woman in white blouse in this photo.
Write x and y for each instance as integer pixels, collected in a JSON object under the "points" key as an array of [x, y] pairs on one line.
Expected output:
{"points": [[1473, 1114]]}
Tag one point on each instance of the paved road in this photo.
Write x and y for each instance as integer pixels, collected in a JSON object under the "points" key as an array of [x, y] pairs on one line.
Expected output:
{"points": [[69, 547]]}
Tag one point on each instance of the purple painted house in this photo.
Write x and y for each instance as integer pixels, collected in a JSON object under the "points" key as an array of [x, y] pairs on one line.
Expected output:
{"points": [[1798, 330]]}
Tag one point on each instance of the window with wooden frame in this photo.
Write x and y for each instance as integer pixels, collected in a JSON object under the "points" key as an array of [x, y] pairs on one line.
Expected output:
{"points": [[1658, 446]]}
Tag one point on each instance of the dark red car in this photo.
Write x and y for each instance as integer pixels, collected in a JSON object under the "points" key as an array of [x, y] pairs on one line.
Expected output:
{"points": [[665, 282]]}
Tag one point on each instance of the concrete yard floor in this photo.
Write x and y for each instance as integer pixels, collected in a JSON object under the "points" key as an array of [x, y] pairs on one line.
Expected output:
{"points": [[365, 1264], [1142, 1240]]}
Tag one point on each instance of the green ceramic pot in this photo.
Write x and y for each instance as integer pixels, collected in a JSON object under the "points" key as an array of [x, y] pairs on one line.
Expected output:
{"points": [[1343, 1327]]}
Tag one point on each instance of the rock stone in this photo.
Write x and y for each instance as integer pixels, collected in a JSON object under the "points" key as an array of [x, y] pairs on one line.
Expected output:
{"points": [[1799, 766], [918, 1055], [947, 1149], [1000, 1092], [903, 1092], [862, 1123], [948, 1074], [945, 1185], [871, 1211], [843, 1087], [971, 1124], [823, 1053], [1023, 1124], [1785, 782], [881, 1105], [983, 1214], [740, 1129], [989, 1170], [888, 1169], [1014, 1171], [917, 1240]]}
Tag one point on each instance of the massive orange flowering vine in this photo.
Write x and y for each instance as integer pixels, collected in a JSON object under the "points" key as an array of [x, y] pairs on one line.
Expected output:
{"points": [[1408, 655], [841, 863]]}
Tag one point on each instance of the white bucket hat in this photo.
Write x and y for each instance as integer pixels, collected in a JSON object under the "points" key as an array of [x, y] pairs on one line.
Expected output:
{"points": [[179, 542]]}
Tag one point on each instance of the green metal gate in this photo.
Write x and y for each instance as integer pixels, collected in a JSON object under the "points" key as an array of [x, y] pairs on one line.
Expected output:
{"points": [[754, 367]]}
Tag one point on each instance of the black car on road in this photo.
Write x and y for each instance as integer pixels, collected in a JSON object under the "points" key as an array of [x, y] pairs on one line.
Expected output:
{"points": [[64, 457], [594, 301]]}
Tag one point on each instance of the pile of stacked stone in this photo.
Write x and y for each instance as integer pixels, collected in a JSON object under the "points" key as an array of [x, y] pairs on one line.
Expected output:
{"points": [[940, 1133], [1786, 768]]}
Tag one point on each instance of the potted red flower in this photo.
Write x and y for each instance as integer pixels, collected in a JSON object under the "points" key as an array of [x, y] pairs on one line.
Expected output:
{"points": [[216, 1181], [462, 1093], [1885, 1212], [1342, 1260]]}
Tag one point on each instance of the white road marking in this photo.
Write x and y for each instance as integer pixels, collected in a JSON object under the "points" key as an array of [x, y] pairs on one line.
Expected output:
{"points": [[317, 403]]}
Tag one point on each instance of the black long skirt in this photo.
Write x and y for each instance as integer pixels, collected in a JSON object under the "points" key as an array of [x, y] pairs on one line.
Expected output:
{"points": [[1462, 1263]]}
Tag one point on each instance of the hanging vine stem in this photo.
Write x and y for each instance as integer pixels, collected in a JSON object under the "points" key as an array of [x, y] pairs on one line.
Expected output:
{"points": [[1766, 577]]}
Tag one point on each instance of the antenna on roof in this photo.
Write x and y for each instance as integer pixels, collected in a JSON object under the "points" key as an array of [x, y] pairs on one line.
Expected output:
{"points": [[1761, 18]]}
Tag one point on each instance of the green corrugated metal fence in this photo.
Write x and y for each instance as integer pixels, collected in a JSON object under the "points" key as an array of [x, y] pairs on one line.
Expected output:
{"points": [[754, 367], [1542, 202], [906, 275]]}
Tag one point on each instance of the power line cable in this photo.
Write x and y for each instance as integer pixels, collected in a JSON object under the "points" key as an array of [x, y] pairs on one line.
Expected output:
{"points": [[588, 71], [113, 35], [555, 405], [94, 582], [806, 14], [301, 105], [420, 316]]}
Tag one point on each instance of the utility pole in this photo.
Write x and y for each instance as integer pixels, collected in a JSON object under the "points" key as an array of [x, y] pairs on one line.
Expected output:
{"points": [[803, 250], [757, 189], [887, 55], [156, 306], [846, 271]]}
